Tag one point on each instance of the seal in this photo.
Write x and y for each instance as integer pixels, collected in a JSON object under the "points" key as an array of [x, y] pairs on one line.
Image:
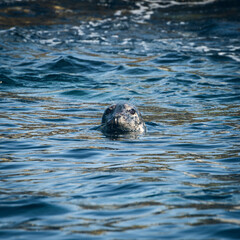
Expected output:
{"points": [[122, 118]]}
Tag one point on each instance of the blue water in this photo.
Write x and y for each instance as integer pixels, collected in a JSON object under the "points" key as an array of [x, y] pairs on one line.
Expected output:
{"points": [[62, 64]]}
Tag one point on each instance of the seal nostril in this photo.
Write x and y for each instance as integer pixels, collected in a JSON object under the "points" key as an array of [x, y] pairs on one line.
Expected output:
{"points": [[116, 120]]}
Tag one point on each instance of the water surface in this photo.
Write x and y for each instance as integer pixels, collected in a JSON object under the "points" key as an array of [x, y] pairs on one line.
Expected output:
{"points": [[62, 64]]}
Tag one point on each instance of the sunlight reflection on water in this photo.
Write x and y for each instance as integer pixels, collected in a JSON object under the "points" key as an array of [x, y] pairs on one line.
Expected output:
{"points": [[61, 178]]}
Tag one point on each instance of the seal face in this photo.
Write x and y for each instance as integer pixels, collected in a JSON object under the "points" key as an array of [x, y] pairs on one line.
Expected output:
{"points": [[122, 118]]}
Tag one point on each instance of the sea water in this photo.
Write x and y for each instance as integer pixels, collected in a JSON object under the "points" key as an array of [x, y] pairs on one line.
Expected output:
{"points": [[62, 63]]}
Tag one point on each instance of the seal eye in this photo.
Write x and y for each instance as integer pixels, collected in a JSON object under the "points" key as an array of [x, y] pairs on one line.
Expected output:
{"points": [[108, 111], [132, 111]]}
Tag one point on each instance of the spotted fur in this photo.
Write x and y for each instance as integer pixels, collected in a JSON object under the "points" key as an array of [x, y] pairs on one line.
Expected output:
{"points": [[122, 118]]}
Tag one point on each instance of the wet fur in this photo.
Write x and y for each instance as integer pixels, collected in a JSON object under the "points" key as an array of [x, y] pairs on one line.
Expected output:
{"points": [[122, 118]]}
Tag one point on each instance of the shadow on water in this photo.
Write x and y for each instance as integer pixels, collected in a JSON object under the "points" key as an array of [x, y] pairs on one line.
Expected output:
{"points": [[62, 63]]}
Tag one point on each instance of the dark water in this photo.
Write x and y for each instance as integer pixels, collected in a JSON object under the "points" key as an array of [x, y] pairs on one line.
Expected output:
{"points": [[62, 63]]}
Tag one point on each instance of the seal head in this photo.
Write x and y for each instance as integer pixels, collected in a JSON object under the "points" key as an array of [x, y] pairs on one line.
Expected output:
{"points": [[122, 118]]}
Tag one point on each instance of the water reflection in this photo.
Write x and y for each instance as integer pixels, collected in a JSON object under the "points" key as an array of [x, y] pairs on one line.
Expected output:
{"points": [[62, 63]]}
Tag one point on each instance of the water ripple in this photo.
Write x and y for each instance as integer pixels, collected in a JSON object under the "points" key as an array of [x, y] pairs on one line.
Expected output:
{"points": [[62, 64]]}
